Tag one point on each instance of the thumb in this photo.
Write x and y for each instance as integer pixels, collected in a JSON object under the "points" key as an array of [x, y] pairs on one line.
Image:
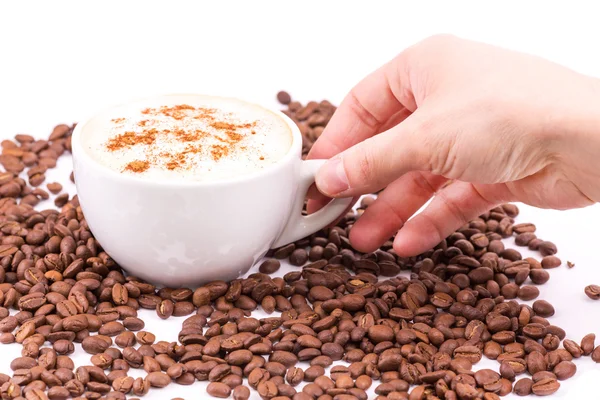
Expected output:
{"points": [[374, 163]]}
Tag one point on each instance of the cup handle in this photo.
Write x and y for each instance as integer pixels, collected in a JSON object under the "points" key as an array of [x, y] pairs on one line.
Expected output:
{"points": [[300, 226]]}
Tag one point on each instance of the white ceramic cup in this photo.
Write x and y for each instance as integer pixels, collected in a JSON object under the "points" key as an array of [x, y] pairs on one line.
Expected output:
{"points": [[191, 232]]}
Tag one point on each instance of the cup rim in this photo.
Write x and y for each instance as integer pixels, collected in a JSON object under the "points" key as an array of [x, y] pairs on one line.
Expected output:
{"points": [[294, 151]]}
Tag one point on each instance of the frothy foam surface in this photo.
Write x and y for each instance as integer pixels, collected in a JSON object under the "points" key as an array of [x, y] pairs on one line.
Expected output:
{"points": [[187, 137]]}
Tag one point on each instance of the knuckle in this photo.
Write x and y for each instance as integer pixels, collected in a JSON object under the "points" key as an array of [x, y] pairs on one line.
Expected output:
{"points": [[363, 169], [362, 113]]}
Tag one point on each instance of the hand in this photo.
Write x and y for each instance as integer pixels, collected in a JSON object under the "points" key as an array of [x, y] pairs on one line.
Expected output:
{"points": [[504, 126]]}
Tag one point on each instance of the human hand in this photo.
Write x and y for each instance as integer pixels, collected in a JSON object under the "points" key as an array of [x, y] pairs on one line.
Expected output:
{"points": [[504, 126]]}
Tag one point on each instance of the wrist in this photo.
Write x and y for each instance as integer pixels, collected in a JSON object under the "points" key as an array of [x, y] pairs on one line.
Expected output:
{"points": [[574, 124], [574, 142]]}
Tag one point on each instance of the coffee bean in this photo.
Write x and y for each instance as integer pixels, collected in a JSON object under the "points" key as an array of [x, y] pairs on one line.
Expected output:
{"points": [[158, 379], [123, 384], [64, 347], [528, 292], [94, 345], [588, 343], [267, 389], [312, 372], [565, 370], [545, 387], [239, 357], [593, 292], [298, 257], [54, 187], [119, 294], [471, 353], [284, 252], [218, 389], [269, 266], [133, 323], [59, 200], [596, 354], [549, 262], [573, 348], [112, 328], [241, 393], [380, 333], [284, 97], [523, 387], [294, 376], [543, 308], [133, 357]]}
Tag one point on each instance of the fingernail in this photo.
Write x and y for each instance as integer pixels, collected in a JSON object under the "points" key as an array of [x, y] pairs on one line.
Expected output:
{"points": [[331, 178]]}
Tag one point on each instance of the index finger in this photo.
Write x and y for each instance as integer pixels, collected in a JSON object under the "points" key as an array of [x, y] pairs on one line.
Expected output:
{"points": [[364, 111]]}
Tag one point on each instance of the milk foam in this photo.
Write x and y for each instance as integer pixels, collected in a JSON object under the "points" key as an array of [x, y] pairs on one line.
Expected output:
{"points": [[187, 137]]}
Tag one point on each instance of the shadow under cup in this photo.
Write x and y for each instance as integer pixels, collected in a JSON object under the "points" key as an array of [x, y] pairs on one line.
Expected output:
{"points": [[185, 233]]}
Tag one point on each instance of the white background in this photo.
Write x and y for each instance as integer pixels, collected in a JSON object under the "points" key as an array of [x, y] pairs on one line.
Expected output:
{"points": [[60, 61]]}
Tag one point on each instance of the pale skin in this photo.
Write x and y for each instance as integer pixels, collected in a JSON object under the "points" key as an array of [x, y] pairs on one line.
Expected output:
{"points": [[501, 125]]}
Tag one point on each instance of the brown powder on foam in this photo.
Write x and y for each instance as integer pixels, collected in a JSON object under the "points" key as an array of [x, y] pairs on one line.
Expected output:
{"points": [[172, 161], [137, 166], [228, 126], [219, 151], [130, 138]]}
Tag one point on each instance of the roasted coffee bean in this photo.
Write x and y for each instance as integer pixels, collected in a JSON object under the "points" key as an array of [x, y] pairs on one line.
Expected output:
{"points": [[549, 262], [543, 308], [312, 372], [298, 257], [140, 387], [380, 333], [112, 328], [218, 389], [523, 387], [241, 393], [284, 98], [547, 248], [158, 379], [588, 343], [123, 384], [269, 266], [95, 344], [573, 348], [133, 323], [593, 292], [294, 376], [596, 354], [528, 292], [119, 294], [545, 387], [565, 370]]}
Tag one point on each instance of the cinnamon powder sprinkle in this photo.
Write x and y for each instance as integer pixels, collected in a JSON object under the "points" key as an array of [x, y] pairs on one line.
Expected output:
{"points": [[228, 126], [118, 120], [176, 161], [130, 138], [178, 112], [229, 136], [137, 166], [186, 136], [218, 151]]}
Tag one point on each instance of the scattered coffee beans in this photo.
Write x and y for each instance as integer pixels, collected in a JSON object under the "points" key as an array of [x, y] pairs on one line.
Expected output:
{"points": [[417, 335]]}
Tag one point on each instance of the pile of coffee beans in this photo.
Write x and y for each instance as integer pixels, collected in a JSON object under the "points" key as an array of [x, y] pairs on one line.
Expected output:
{"points": [[408, 328], [310, 118]]}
